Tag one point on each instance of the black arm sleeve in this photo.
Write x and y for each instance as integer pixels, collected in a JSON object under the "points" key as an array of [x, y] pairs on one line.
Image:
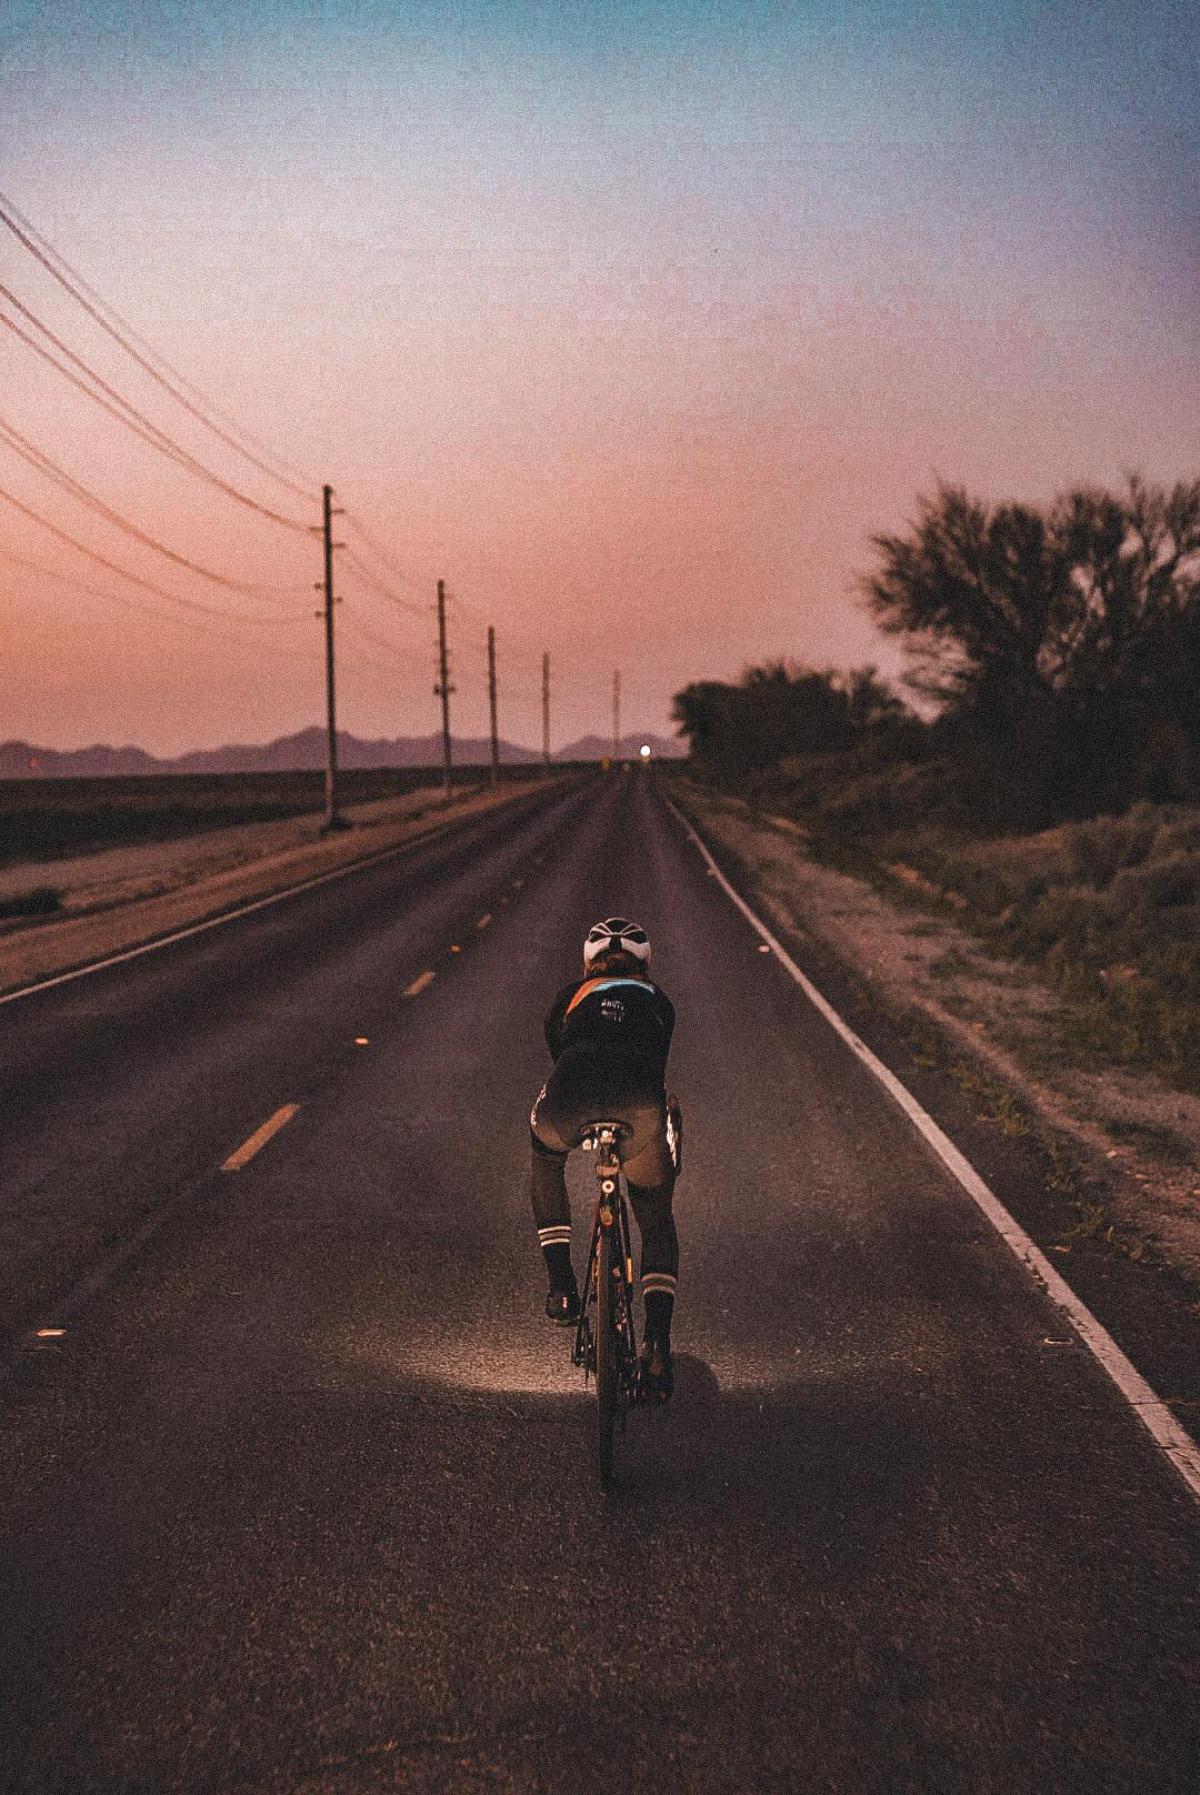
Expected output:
{"points": [[555, 1016]]}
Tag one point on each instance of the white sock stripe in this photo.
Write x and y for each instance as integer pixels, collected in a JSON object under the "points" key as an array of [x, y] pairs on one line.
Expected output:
{"points": [[549, 1236], [658, 1280]]}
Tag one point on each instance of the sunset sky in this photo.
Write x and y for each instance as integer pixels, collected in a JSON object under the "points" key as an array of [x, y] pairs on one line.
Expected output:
{"points": [[631, 321]]}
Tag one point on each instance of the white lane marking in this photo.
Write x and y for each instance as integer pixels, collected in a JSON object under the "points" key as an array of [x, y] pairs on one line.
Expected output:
{"points": [[1174, 1441], [419, 984], [259, 1138]]}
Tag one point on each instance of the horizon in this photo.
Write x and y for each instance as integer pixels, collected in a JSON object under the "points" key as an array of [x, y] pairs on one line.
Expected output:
{"points": [[319, 730], [633, 327]]}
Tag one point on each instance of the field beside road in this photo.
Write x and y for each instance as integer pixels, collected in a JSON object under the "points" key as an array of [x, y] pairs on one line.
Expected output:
{"points": [[45, 820], [150, 879]]}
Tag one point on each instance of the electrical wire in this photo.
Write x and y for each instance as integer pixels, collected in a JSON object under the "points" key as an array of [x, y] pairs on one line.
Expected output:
{"points": [[398, 573], [175, 598], [38, 459], [357, 627], [274, 650], [136, 420], [404, 657], [384, 591], [96, 306]]}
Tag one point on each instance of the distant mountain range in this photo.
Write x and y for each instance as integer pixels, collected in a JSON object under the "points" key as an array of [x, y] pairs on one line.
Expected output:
{"points": [[306, 749]]}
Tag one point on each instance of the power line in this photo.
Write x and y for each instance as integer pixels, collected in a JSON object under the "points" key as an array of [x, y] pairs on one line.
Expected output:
{"points": [[54, 262], [406, 579], [131, 604], [363, 595], [175, 598], [364, 573], [38, 459], [136, 420], [358, 627]]}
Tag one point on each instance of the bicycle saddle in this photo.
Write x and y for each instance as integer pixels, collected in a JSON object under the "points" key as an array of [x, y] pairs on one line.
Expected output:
{"points": [[592, 1133]]}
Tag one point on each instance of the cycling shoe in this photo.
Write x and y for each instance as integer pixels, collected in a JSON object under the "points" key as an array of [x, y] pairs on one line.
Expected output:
{"points": [[562, 1308], [656, 1376]]}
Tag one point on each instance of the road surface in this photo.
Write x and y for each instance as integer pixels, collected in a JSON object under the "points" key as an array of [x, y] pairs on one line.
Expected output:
{"points": [[302, 1499]]}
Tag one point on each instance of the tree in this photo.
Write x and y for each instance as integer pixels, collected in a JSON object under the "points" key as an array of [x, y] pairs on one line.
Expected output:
{"points": [[1062, 641], [778, 710]]}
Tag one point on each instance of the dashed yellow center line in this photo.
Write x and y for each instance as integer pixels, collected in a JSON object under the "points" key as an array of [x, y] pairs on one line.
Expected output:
{"points": [[260, 1137], [419, 984], [484, 920]]}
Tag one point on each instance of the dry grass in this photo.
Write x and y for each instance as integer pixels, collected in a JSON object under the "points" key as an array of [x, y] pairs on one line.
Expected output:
{"points": [[1106, 910], [1109, 910]]}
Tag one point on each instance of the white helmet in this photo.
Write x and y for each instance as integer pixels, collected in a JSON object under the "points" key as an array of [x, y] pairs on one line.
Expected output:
{"points": [[616, 935]]}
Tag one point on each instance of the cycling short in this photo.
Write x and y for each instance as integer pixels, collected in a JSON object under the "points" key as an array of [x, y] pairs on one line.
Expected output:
{"points": [[587, 1086]]}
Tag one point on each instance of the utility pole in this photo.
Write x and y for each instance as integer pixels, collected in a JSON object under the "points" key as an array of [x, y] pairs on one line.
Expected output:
{"points": [[546, 711], [333, 817], [443, 688], [616, 753], [492, 702]]}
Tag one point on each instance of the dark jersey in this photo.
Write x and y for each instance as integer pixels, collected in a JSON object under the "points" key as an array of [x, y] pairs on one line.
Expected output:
{"points": [[625, 1017]]}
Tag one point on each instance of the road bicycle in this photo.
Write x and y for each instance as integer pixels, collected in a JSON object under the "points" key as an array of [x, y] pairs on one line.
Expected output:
{"points": [[605, 1339]]}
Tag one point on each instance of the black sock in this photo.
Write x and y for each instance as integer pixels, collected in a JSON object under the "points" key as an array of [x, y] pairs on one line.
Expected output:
{"points": [[659, 1304], [558, 1264]]}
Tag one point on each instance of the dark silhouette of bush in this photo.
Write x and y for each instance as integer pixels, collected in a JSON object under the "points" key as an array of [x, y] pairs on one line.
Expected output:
{"points": [[781, 710], [1062, 646]]}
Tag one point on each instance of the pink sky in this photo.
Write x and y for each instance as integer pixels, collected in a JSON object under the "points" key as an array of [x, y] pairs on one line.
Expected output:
{"points": [[633, 330]]}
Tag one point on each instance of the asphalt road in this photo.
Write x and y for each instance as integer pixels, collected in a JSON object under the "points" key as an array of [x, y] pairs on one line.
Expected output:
{"points": [[303, 1499]]}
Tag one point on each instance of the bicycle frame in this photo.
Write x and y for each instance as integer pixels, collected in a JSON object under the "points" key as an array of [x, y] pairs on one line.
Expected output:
{"points": [[609, 1350]]}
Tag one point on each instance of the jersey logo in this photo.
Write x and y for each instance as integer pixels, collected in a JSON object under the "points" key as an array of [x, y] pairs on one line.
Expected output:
{"points": [[590, 985]]}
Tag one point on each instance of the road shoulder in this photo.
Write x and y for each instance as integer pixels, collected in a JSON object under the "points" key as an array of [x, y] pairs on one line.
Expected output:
{"points": [[1118, 1224]]}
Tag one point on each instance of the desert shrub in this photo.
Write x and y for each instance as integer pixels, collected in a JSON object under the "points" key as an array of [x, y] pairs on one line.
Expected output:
{"points": [[1152, 1018], [904, 796], [1160, 884], [1101, 848], [1065, 922]]}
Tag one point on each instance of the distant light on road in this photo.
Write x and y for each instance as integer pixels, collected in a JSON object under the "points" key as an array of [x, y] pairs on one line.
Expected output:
{"points": [[644, 751]]}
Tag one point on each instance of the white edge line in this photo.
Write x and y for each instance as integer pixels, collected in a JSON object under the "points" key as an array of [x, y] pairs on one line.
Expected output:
{"points": [[1165, 1429], [215, 922]]}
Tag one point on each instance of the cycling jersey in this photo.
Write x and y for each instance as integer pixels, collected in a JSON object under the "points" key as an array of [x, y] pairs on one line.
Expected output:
{"points": [[627, 1017]]}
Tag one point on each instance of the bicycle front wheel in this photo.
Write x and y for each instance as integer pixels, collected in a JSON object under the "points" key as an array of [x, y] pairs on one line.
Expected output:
{"points": [[606, 1356]]}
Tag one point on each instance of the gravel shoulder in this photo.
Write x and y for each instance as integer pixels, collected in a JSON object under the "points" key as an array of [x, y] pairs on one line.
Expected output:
{"points": [[120, 898], [1139, 1140]]}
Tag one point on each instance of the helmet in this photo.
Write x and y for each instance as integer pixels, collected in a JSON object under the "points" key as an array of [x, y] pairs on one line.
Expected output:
{"points": [[616, 935]]}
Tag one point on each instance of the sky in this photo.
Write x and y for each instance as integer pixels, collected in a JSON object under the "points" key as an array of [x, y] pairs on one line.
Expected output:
{"points": [[633, 322]]}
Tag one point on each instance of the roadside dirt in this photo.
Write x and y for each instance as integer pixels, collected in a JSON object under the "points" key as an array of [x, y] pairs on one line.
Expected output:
{"points": [[1141, 1138], [119, 898]]}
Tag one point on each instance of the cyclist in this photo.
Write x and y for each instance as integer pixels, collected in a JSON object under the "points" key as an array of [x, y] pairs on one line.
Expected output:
{"points": [[609, 1035]]}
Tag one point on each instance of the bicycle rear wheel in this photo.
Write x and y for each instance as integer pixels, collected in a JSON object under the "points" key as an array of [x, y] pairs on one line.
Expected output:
{"points": [[607, 1375]]}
